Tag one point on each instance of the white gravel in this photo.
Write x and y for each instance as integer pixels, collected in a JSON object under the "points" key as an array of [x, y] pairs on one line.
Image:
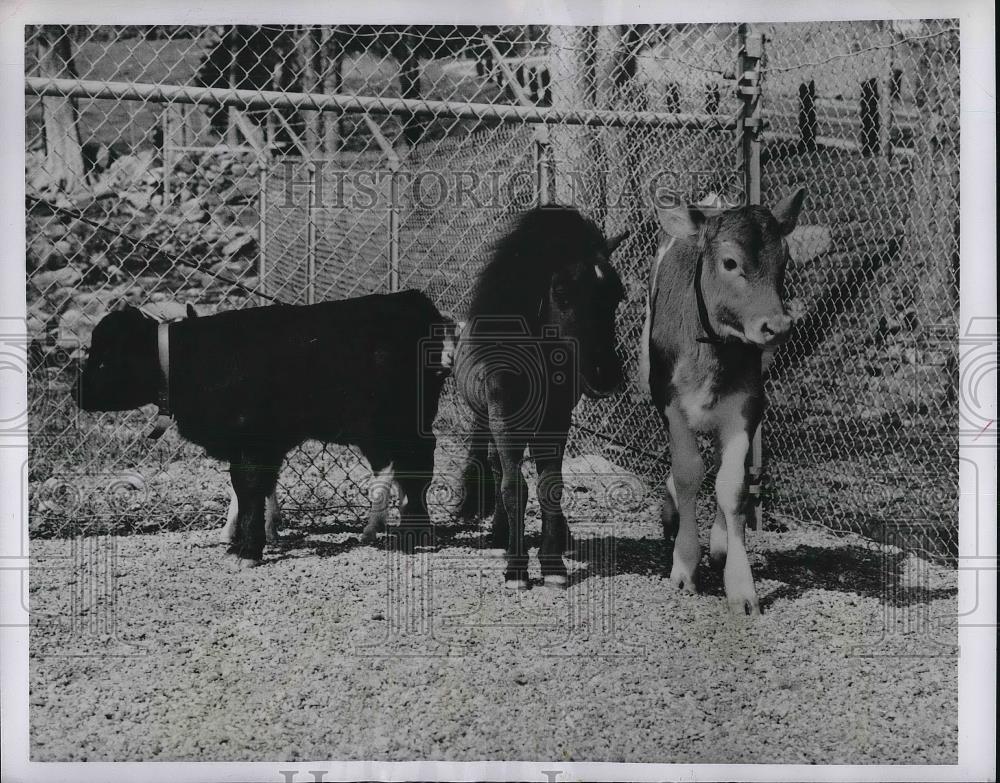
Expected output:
{"points": [[337, 650]]}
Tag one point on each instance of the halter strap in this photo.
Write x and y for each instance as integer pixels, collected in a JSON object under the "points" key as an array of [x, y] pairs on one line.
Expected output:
{"points": [[163, 416]]}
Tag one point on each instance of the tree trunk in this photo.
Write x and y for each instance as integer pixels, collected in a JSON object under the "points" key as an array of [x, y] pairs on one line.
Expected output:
{"points": [[332, 56], [63, 153], [620, 151], [307, 49], [409, 87], [572, 72], [233, 46]]}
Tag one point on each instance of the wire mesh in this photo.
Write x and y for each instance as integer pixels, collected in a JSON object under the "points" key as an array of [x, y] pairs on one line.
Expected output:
{"points": [[860, 435], [278, 201]]}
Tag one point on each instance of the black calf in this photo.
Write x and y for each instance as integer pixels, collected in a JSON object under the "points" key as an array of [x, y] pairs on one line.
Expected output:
{"points": [[250, 385]]}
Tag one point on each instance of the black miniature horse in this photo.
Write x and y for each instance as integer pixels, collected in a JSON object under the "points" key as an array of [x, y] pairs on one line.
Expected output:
{"points": [[540, 332]]}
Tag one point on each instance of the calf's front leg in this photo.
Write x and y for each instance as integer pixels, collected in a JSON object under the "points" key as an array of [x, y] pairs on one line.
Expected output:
{"points": [[686, 473], [380, 495], [731, 492], [252, 481], [272, 518]]}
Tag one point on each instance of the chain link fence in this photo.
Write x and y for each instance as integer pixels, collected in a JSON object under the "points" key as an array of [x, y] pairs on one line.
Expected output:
{"points": [[232, 166], [861, 433]]}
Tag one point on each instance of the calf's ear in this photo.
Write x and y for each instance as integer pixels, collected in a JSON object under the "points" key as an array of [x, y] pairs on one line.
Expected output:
{"points": [[787, 211], [615, 241], [191, 312], [680, 221]]}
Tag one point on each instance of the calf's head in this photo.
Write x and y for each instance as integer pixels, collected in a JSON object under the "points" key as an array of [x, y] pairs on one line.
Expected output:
{"points": [[743, 256], [582, 300], [122, 370]]}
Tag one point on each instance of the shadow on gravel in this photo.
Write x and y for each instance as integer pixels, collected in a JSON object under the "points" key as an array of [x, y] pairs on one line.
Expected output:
{"points": [[301, 542], [847, 569]]}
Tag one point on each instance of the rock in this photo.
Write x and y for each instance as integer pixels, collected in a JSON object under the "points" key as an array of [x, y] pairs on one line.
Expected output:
{"points": [[139, 199], [66, 276], [236, 245]]}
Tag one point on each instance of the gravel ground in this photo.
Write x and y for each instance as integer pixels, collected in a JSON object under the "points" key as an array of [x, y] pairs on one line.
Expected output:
{"points": [[337, 650]]}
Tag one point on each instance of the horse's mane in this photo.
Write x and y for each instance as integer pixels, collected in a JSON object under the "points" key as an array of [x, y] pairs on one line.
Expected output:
{"points": [[542, 241]]}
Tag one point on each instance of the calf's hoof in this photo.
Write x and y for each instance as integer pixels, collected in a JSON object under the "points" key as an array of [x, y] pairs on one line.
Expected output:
{"points": [[368, 536], [683, 580], [744, 606]]}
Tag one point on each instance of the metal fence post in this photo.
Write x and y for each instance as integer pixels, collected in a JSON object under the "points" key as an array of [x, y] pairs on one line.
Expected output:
{"points": [[393, 228], [395, 164], [748, 127], [168, 158], [262, 231], [542, 173], [311, 235]]}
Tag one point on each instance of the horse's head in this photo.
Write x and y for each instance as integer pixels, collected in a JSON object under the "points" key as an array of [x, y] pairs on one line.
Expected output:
{"points": [[582, 298]]}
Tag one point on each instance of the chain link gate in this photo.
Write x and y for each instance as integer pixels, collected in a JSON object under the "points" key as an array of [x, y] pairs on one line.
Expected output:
{"points": [[233, 166]]}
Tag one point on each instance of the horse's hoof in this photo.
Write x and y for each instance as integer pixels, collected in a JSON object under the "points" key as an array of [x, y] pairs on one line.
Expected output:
{"points": [[555, 580], [243, 563], [516, 584]]}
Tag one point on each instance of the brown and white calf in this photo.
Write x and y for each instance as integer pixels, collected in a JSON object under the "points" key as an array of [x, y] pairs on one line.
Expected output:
{"points": [[715, 303]]}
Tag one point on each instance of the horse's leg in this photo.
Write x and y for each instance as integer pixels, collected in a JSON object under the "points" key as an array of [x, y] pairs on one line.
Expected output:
{"points": [[514, 493], [731, 492], [500, 526], [254, 477], [548, 457], [687, 471]]}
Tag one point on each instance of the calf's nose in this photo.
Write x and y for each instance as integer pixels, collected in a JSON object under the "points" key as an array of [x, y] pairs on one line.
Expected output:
{"points": [[771, 329]]}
